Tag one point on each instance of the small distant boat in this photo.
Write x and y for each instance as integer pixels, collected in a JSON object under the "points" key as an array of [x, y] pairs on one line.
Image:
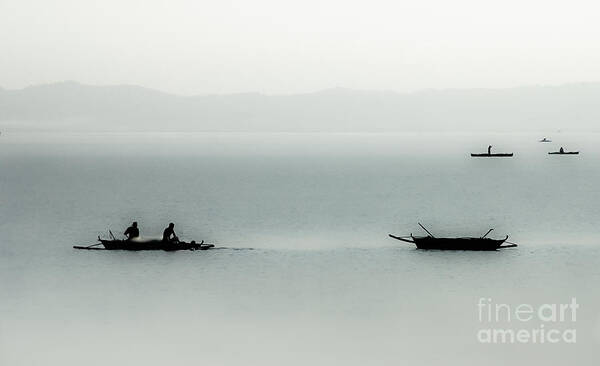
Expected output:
{"points": [[466, 243], [545, 140], [149, 244], [490, 155], [498, 155], [563, 153]]}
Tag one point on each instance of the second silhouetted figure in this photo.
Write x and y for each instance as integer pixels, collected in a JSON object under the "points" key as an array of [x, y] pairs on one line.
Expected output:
{"points": [[169, 234]]}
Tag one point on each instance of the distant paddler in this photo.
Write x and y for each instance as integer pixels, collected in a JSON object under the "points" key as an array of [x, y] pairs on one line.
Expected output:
{"points": [[132, 232], [489, 154], [169, 234]]}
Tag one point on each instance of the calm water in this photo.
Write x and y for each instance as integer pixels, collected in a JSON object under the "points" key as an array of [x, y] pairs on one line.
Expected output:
{"points": [[306, 273]]}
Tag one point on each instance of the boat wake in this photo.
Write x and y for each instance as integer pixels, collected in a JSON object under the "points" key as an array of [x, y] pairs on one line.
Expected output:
{"points": [[230, 248]]}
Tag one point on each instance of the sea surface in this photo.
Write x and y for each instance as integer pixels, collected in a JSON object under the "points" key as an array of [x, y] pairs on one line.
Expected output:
{"points": [[304, 272]]}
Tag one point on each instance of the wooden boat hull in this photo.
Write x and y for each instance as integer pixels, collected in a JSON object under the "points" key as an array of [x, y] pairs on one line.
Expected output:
{"points": [[479, 244], [152, 245], [501, 155], [564, 153]]}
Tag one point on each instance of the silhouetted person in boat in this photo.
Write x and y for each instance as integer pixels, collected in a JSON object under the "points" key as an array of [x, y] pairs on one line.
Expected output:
{"points": [[169, 234], [562, 151], [132, 232], [490, 150]]}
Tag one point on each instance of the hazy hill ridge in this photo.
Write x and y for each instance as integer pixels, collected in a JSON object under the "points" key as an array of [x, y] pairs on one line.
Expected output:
{"points": [[70, 105]]}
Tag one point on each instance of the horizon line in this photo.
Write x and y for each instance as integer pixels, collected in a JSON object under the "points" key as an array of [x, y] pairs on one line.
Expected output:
{"points": [[318, 91]]}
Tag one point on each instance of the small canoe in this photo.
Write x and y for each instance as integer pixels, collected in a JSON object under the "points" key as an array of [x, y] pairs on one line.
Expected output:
{"points": [[152, 244], [564, 153], [479, 244], [545, 140], [499, 155]]}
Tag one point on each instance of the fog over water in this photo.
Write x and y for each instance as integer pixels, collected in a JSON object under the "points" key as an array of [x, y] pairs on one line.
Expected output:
{"points": [[278, 46], [305, 273], [295, 136]]}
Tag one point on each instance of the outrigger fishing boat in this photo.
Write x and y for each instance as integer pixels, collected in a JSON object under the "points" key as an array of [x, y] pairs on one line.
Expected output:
{"points": [[563, 153], [146, 244], [489, 154], [468, 243], [499, 155]]}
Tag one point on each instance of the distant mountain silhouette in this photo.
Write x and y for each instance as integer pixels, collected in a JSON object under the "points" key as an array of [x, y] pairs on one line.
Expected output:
{"points": [[74, 106]]}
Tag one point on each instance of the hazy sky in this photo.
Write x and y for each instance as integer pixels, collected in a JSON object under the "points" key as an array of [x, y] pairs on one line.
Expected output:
{"points": [[277, 46]]}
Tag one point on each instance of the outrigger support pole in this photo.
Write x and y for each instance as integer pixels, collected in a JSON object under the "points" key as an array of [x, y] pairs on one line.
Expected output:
{"points": [[489, 231], [423, 227]]}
